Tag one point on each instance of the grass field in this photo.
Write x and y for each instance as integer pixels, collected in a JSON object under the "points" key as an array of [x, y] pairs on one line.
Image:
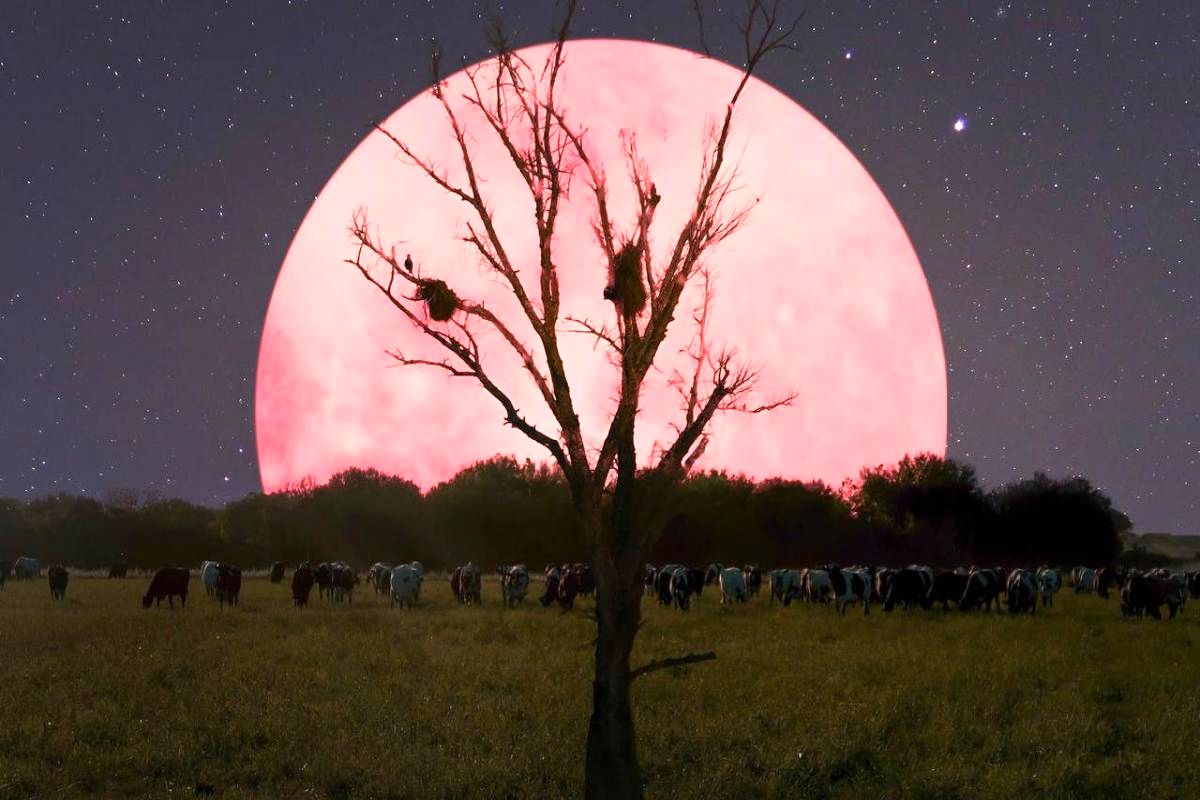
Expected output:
{"points": [[101, 698]]}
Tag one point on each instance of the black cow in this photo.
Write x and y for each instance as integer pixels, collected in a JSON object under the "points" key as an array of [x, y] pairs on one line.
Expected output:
{"points": [[344, 581], [5, 568], [1105, 577], [662, 583], [907, 587], [57, 577], [585, 579], [229, 584], [277, 571], [1193, 584], [1144, 594], [983, 589], [302, 583], [118, 571], [947, 586], [752, 575], [695, 581], [1021, 592], [323, 577], [168, 583], [712, 575], [552, 576]]}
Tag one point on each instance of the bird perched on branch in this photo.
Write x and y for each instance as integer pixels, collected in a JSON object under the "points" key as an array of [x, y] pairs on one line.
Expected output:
{"points": [[408, 265]]}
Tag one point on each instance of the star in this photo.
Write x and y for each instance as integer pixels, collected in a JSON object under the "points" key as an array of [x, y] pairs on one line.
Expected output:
{"points": [[960, 124]]}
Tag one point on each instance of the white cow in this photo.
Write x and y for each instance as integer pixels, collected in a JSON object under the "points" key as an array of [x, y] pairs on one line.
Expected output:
{"points": [[405, 585], [208, 576], [733, 586], [1085, 580], [681, 589], [514, 584], [1048, 583]]}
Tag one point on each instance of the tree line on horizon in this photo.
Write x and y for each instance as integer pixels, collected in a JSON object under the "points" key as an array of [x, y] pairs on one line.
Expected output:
{"points": [[924, 509]]}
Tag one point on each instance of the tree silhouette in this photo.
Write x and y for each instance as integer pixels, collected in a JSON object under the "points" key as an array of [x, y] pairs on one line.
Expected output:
{"points": [[618, 508]]}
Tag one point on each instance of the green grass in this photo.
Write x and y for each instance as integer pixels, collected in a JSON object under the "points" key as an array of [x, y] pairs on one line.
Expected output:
{"points": [[101, 698]]}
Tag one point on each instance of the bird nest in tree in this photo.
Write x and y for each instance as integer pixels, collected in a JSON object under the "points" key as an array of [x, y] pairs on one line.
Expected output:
{"points": [[625, 285], [439, 298]]}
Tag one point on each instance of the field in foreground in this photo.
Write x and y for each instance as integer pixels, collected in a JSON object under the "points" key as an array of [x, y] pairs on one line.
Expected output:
{"points": [[101, 698]]}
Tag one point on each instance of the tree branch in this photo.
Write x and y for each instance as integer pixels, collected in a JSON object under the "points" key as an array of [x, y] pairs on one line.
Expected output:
{"points": [[667, 663]]}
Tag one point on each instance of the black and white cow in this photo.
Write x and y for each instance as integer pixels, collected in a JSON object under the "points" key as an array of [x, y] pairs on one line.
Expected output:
{"points": [[277, 572], [344, 582], [662, 583], [752, 575], [514, 584], [465, 582], [712, 575], [1048, 583], [785, 585], [816, 585], [681, 587], [1145, 594], [404, 585], [26, 568], [1021, 592], [323, 578], [850, 586]]}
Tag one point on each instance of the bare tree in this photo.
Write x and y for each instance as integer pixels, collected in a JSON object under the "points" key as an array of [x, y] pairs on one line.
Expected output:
{"points": [[620, 508]]}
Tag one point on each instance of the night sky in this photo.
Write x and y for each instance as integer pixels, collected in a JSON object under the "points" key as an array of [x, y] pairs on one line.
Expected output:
{"points": [[156, 158]]}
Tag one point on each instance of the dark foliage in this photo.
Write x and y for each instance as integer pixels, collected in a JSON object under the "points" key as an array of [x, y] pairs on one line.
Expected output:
{"points": [[924, 509]]}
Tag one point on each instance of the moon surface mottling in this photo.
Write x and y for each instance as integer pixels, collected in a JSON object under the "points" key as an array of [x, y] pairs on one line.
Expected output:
{"points": [[821, 290]]}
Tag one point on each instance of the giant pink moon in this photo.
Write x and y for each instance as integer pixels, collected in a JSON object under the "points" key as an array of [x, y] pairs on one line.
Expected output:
{"points": [[820, 290]]}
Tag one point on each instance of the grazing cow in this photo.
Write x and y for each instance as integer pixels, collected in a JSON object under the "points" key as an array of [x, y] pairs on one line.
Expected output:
{"points": [[908, 587], [662, 583], [323, 577], [26, 568], [585, 579], [5, 568], [57, 577], [733, 586], [404, 585], [947, 586], [983, 589], [1048, 584], [1021, 592], [1105, 577], [514, 584], [1193, 582], [466, 587], [302, 582], [695, 581], [118, 571], [277, 572], [1084, 579], [712, 575], [208, 577], [344, 581], [1178, 578], [681, 587], [229, 584], [1146, 594], [168, 583], [785, 585], [850, 586], [752, 575]]}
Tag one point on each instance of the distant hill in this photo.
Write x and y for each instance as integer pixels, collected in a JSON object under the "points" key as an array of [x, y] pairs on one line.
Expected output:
{"points": [[1184, 549]]}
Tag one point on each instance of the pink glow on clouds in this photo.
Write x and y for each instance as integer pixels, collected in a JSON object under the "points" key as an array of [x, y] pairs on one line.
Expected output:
{"points": [[821, 289]]}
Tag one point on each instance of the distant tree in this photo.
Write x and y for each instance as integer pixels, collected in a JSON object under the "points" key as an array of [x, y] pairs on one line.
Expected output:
{"points": [[929, 507], [618, 509], [1058, 521]]}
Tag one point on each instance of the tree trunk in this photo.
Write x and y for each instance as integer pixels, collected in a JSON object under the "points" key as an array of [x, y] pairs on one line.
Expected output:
{"points": [[612, 770]]}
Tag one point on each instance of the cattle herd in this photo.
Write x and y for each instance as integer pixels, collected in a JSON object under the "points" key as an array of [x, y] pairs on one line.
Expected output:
{"points": [[674, 585]]}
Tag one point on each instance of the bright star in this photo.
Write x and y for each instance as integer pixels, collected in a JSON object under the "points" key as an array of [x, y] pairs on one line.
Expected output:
{"points": [[960, 125]]}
